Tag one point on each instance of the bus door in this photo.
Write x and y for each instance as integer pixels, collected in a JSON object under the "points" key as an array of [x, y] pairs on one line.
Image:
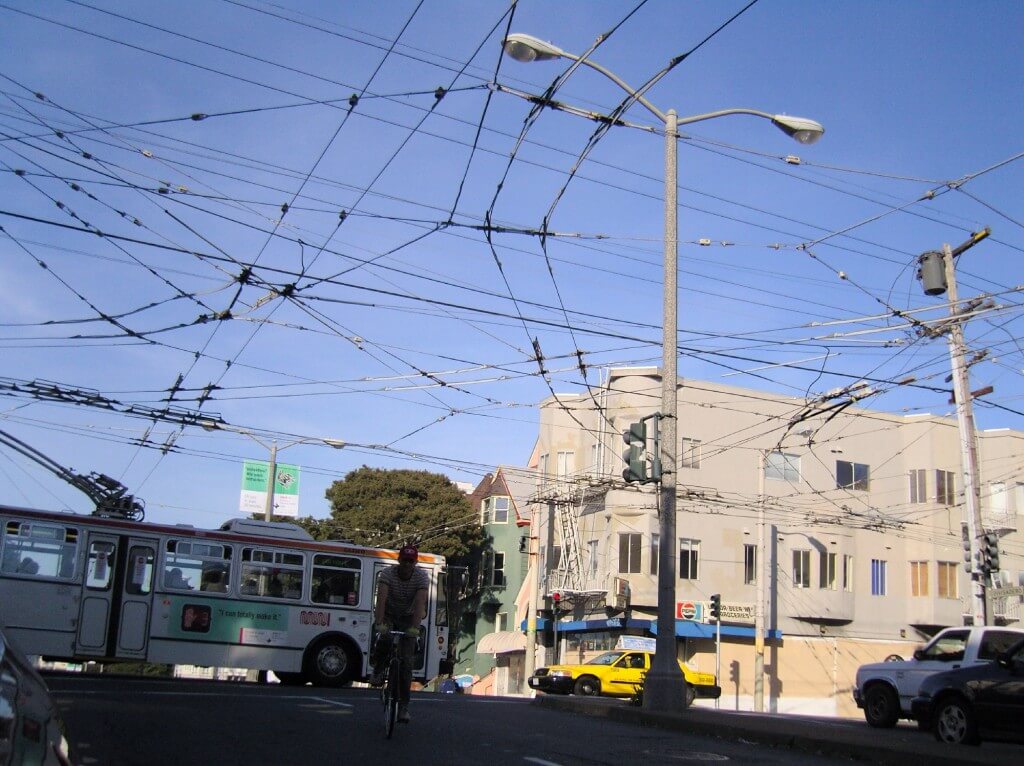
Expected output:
{"points": [[117, 596], [420, 658]]}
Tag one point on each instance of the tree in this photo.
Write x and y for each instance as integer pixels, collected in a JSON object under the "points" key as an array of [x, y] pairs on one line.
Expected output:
{"points": [[387, 508]]}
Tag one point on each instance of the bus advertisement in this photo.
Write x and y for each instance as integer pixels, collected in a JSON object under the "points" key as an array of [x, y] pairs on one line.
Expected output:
{"points": [[251, 594]]}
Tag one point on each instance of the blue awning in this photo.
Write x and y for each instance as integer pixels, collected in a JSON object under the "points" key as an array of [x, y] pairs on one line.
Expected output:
{"points": [[684, 628], [691, 629]]}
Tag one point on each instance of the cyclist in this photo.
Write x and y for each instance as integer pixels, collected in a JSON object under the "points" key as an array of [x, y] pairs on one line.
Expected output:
{"points": [[401, 605]]}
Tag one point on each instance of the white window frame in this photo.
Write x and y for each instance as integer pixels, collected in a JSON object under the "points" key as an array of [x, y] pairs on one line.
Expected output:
{"points": [[690, 453], [632, 544], [879, 577], [919, 578], [918, 485], [749, 564], [801, 568], [691, 549], [829, 563], [499, 514], [951, 570], [847, 573], [782, 466]]}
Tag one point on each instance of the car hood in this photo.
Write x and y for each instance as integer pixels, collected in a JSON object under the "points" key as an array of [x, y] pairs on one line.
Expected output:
{"points": [[875, 667]]}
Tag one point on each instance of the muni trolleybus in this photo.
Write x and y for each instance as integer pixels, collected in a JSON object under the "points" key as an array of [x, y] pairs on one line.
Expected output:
{"points": [[252, 594]]}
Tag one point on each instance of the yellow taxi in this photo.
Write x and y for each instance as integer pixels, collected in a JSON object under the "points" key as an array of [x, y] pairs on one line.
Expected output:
{"points": [[616, 674]]}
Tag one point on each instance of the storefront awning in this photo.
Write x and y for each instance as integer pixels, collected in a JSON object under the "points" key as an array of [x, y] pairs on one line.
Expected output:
{"points": [[502, 642], [690, 629]]}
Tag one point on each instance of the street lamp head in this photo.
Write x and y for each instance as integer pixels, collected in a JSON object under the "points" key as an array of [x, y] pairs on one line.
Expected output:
{"points": [[527, 48], [799, 128], [209, 425], [336, 443]]}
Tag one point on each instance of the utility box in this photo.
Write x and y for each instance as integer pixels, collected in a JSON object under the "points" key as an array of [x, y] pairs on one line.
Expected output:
{"points": [[932, 273]]}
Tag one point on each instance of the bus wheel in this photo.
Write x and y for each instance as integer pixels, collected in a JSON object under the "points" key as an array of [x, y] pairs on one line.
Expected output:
{"points": [[330, 663]]}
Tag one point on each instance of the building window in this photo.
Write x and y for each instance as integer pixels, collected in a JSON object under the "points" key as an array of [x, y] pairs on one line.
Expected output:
{"points": [[853, 475], [848, 574], [801, 569], [878, 571], [629, 553], [782, 466], [565, 463], [500, 506], [594, 458], [828, 579], [749, 564], [498, 570], [592, 547], [542, 468], [689, 559], [944, 488], [655, 552], [1018, 497], [918, 486], [997, 499], [918, 578], [690, 453], [485, 512], [948, 580], [500, 622]]}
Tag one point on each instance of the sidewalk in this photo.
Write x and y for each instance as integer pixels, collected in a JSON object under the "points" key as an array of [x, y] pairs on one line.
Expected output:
{"points": [[832, 737]]}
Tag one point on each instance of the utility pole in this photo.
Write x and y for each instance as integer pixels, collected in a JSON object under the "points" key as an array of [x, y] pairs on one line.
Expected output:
{"points": [[759, 573], [533, 570], [968, 441], [964, 413]]}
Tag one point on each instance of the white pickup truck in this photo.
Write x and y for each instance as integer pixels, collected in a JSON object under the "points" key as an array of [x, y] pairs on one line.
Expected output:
{"points": [[884, 689]]}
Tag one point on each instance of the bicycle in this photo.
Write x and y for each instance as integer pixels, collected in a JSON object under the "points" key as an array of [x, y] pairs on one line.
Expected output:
{"points": [[389, 692]]}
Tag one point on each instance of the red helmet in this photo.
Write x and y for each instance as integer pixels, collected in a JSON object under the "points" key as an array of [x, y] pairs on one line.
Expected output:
{"points": [[409, 553]]}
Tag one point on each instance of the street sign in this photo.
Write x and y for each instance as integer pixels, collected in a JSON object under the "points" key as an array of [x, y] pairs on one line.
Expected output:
{"points": [[1017, 590]]}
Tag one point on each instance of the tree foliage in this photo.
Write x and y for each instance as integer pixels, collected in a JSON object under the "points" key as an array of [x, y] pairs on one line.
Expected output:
{"points": [[387, 508]]}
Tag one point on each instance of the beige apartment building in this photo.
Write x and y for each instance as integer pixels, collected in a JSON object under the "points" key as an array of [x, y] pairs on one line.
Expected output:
{"points": [[862, 548]]}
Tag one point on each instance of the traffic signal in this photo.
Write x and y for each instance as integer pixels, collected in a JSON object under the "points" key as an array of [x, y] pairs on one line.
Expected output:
{"points": [[635, 455], [990, 552], [557, 605], [715, 608]]}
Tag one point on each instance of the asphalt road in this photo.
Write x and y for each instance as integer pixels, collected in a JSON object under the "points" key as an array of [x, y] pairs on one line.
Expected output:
{"points": [[117, 721]]}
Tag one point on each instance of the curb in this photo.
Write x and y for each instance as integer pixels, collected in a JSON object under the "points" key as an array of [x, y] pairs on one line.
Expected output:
{"points": [[812, 735]]}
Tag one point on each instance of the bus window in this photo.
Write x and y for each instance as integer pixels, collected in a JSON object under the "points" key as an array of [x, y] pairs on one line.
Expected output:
{"points": [[193, 565], [273, 574], [335, 580], [140, 572], [441, 610], [41, 550], [100, 566]]}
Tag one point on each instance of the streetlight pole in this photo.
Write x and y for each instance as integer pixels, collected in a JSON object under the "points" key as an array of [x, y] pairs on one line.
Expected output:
{"points": [[664, 687], [268, 508]]}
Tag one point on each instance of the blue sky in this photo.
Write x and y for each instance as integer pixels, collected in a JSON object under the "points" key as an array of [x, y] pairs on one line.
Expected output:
{"points": [[399, 326]]}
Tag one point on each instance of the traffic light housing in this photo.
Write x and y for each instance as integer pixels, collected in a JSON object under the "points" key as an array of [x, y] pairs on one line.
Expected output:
{"points": [[715, 607], [990, 552], [635, 455]]}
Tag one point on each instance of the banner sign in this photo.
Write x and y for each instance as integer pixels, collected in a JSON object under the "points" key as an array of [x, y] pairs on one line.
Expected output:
{"points": [[254, 489]]}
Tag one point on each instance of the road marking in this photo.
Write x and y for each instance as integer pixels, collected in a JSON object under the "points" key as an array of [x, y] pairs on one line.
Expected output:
{"points": [[329, 702], [541, 761]]}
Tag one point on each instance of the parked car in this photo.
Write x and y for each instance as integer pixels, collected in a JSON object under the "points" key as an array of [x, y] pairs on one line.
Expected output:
{"points": [[884, 690], [616, 674], [962, 705], [32, 732]]}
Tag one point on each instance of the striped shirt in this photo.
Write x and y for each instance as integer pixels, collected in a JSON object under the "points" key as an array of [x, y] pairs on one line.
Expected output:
{"points": [[402, 593]]}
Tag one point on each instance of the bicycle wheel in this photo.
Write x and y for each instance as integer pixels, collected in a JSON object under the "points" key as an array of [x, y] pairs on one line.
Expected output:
{"points": [[391, 698]]}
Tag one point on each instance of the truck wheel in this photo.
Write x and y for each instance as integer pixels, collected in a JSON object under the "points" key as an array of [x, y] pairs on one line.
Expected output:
{"points": [[587, 686], [330, 662], [955, 724], [691, 694], [881, 707]]}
